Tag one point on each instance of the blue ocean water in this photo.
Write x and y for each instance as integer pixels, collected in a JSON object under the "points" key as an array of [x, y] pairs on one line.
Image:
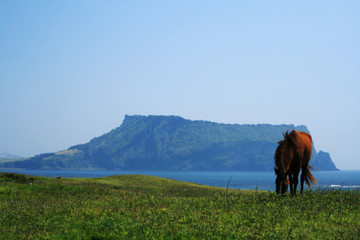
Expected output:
{"points": [[345, 179]]}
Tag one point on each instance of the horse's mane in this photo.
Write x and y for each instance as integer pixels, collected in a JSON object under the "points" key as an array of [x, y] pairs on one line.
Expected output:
{"points": [[290, 138], [287, 141]]}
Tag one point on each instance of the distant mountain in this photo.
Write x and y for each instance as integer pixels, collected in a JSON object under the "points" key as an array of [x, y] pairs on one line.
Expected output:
{"points": [[174, 143], [9, 156]]}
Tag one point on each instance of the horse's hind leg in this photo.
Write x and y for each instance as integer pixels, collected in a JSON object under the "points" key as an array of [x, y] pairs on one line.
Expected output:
{"points": [[296, 180], [302, 180], [291, 180]]}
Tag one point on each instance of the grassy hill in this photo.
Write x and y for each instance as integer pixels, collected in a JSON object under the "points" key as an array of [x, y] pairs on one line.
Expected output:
{"points": [[146, 207]]}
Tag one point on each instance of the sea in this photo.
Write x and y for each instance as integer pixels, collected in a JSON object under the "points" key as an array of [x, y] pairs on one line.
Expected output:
{"points": [[345, 179]]}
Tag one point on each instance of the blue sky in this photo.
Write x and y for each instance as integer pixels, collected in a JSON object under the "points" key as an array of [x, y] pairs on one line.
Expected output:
{"points": [[71, 70]]}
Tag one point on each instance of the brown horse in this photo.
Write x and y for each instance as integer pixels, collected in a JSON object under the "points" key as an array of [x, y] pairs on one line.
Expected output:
{"points": [[293, 153]]}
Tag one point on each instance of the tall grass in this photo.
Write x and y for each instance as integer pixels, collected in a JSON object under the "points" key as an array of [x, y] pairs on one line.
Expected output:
{"points": [[143, 207]]}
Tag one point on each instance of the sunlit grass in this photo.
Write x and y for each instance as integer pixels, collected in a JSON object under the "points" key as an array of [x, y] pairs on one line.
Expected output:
{"points": [[146, 207]]}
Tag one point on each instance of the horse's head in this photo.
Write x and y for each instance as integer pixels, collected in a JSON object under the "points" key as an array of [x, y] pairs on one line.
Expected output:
{"points": [[283, 158], [281, 181]]}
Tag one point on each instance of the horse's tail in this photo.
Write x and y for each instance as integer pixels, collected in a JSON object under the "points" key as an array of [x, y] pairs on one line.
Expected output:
{"points": [[309, 178]]}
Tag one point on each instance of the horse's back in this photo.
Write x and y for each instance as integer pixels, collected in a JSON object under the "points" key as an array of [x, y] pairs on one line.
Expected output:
{"points": [[304, 142]]}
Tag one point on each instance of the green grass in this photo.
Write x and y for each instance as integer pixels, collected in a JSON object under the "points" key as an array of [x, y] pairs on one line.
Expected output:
{"points": [[145, 207]]}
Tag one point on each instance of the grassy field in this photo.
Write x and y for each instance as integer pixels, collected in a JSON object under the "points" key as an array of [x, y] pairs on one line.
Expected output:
{"points": [[146, 207]]}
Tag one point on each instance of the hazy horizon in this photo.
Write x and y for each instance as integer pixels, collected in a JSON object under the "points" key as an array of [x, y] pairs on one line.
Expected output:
{"points": [[71, 70]]}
